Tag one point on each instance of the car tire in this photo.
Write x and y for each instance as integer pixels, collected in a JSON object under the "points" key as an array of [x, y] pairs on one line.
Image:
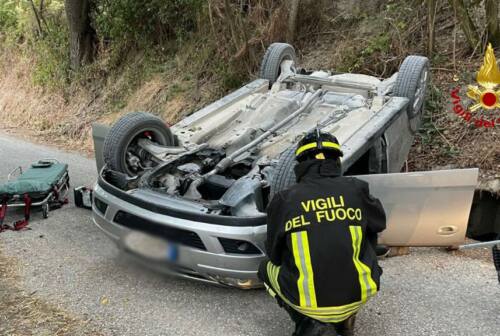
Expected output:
{"points": [[276, 53], [412, 80], [125, 130], [284, 176]]}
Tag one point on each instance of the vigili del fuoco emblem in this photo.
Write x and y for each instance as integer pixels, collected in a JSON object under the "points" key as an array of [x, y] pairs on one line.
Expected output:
{"points": [[485, 96]]}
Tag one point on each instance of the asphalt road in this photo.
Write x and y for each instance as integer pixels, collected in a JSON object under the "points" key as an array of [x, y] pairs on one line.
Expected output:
{"points": [[67, 262]]}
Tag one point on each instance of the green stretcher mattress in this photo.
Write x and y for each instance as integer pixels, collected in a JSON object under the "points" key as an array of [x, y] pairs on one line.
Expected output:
{"points": [[37, 181]]}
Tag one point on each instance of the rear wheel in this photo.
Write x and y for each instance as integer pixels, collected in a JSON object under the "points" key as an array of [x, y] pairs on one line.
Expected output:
{"points": [[276, 53], [121, 151], [285, 174], [411, 83], [372, 161]]}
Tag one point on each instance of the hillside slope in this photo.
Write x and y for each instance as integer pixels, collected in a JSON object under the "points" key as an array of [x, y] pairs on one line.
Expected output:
{"points": [[204, 67]]}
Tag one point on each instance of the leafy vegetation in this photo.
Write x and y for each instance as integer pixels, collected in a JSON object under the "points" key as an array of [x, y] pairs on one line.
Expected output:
{"points": [[8, 17], [41, 37], [145, 23]]}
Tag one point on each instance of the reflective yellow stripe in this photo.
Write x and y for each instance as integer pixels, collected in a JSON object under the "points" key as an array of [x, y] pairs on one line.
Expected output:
{"points": [[355, 247], [327, 313], [270, 290], [300, 281], [305, 147], [272, 273], [332, 317], [307, 294], [302, 257], [330, 144], [372, 285], [310, 273], [331, 310], [314, 145], [368, 286], [323, 314], [332, 313]]}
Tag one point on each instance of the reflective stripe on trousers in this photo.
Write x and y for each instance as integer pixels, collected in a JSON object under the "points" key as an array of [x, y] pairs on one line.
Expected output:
{"points": [[324, 314]]}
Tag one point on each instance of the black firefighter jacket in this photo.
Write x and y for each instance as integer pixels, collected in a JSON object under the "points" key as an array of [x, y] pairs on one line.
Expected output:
{"points": [[321, 239]]}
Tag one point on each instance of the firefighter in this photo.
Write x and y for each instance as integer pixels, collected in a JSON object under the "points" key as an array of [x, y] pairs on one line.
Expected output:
{"points": [[321, 239]]}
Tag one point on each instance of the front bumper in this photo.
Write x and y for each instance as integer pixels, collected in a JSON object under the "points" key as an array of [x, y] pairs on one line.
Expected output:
{"points": [[208, 262]]}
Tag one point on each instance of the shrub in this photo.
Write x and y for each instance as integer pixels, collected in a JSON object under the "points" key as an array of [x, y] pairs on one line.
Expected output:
{"points": [[46, 44], [8, 17], [52, 60], [145, 22]]}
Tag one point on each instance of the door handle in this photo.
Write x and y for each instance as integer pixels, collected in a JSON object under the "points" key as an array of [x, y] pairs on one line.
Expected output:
{"points": [[447, 230]]}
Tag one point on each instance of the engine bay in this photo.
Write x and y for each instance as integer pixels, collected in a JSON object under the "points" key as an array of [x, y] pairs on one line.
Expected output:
{"points": [[240, 190]]}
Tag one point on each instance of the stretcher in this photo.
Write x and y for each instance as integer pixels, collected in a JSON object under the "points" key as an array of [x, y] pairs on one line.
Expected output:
{"points": [[44, 184]]}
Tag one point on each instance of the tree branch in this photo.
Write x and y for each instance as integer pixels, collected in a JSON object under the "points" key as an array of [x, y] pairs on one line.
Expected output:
{"points": [[466, 22], [35, 11]]}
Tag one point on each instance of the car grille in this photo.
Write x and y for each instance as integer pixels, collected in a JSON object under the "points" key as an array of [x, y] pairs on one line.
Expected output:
{"points": [[171, 234]]}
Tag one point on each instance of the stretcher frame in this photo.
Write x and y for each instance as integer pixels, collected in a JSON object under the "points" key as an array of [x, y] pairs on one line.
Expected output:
{"points": [[58, 194]]}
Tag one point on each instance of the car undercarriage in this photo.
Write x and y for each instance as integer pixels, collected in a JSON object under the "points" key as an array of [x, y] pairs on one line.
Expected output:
{"points": [[226, 159]]}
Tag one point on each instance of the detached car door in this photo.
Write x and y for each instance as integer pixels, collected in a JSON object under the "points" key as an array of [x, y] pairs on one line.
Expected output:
{"points": [[428, 208]]}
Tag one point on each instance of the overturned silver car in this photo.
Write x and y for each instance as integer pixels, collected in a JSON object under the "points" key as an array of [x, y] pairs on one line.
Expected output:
{"points": [[190, 199]]}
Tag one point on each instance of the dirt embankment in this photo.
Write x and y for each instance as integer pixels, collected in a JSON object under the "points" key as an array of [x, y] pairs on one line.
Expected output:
{"points": [[64, 117], [29, 109]]}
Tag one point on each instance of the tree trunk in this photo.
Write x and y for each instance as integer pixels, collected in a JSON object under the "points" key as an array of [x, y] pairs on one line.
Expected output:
{"points": [[491, 9], [431, 20], [466, 23], [292, 20], [81, 33]]}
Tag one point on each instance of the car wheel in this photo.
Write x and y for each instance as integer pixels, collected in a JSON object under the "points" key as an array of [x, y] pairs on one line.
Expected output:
{"points": [[412, 80], [276, 53], [284, 176], [121, 151]]}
